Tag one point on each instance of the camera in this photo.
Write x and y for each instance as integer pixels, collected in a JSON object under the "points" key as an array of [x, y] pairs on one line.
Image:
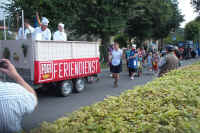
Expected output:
{"points": [[3, 64]]}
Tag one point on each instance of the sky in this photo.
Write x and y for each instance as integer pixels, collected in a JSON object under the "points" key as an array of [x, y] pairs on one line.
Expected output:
{"points": [[1, 10], [184, 5], [187, 10]]}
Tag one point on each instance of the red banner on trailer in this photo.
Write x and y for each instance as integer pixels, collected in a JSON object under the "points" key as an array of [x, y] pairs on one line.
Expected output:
{"points": [[57, 70]]}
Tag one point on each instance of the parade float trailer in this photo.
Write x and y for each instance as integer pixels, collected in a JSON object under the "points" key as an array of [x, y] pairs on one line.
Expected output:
{"points": [[67, 65]]}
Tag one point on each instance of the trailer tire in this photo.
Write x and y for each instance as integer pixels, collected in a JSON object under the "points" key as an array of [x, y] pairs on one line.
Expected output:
{"points": [[79, 85], [65, 88]]}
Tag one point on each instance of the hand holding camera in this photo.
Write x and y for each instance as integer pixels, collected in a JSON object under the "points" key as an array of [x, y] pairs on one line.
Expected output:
{"points": [[3, 64], [8, 68]]}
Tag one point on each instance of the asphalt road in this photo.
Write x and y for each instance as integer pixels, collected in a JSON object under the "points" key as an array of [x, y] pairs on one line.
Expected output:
{"points": [[51, 107]]}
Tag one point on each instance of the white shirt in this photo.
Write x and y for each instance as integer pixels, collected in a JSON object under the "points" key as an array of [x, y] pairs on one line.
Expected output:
{"points": [[60, 36], [116, 57], [27, 31], [42, 35], [15, 103]]}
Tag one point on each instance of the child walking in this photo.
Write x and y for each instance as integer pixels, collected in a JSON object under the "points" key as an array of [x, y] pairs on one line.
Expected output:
{"points": [[149, 61], [156, 59]]}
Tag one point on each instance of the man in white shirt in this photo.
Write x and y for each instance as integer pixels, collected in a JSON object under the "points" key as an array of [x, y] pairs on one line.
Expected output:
{"points": [[16, 99], [43, 33], [116, 63], [60, 35], [27, 31]]}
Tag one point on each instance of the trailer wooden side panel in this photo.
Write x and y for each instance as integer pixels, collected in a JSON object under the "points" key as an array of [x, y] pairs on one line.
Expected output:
{"points": [[50, 61], [57, 61], [20, 53]]}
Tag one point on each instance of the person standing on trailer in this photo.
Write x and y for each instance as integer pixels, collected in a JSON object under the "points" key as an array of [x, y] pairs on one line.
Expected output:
{"points": [[27, 31], [43, 32], [60, 35], [116, 60]]}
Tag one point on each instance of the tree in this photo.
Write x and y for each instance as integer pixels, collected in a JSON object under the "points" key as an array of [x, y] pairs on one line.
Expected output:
{"points": [[101, 18], [192, 31], [55, 10], [142, 19], [179, 34], [139, 25], [122, 39], [196, 5], [167, 19], [153, 19]]}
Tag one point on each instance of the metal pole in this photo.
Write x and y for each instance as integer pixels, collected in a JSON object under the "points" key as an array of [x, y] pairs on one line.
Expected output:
{"points": [[4, 26], [23, 23]]}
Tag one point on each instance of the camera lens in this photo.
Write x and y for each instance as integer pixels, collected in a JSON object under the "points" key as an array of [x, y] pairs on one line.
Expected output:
{"points": [[3, 64]]}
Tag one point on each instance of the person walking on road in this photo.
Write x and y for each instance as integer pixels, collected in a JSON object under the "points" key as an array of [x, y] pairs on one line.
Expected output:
{"points": [[127, 55], [116, 63], [169, 62], [110, 49], [133, 62], [149, 61], [16, 99], [156, 59]]}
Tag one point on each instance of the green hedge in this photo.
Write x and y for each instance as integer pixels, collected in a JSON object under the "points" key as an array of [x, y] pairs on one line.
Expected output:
{"points": [[170, 104]]}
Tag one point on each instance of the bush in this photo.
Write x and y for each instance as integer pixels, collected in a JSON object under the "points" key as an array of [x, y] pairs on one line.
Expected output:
{"points": [[170, 104]]}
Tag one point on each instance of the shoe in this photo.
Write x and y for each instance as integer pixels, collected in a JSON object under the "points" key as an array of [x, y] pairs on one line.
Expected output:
{"points": [[115, 84], [156, 74], [132, 78]]}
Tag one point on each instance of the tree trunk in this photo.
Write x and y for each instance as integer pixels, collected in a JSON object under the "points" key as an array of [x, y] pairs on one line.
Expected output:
{"points": [[141, 43], [104, 47], [162, 43]]}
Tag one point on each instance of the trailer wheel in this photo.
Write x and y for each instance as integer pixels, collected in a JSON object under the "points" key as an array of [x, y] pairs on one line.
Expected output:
{"points": [[79, 85], [66, 88]]}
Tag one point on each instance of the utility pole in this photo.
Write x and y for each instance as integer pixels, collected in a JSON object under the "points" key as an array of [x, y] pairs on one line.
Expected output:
{"points": [[4, 26], [23, 23]]}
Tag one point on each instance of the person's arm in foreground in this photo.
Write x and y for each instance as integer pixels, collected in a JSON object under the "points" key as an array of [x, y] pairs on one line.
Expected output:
{"points": [[12, 73]]}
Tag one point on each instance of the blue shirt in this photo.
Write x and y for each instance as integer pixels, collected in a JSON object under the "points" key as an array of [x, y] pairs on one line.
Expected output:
{"points": [[133, 62], [128, 52], [15, 103]]}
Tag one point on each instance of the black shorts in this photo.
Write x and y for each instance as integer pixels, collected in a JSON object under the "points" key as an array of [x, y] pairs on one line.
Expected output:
{"points": [[116, 69], [133, 70], [110, 65]]}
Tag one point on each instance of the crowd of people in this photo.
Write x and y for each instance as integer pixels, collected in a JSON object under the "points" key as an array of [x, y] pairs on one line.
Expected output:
{"points": [[41, 31], [158, 62]]}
